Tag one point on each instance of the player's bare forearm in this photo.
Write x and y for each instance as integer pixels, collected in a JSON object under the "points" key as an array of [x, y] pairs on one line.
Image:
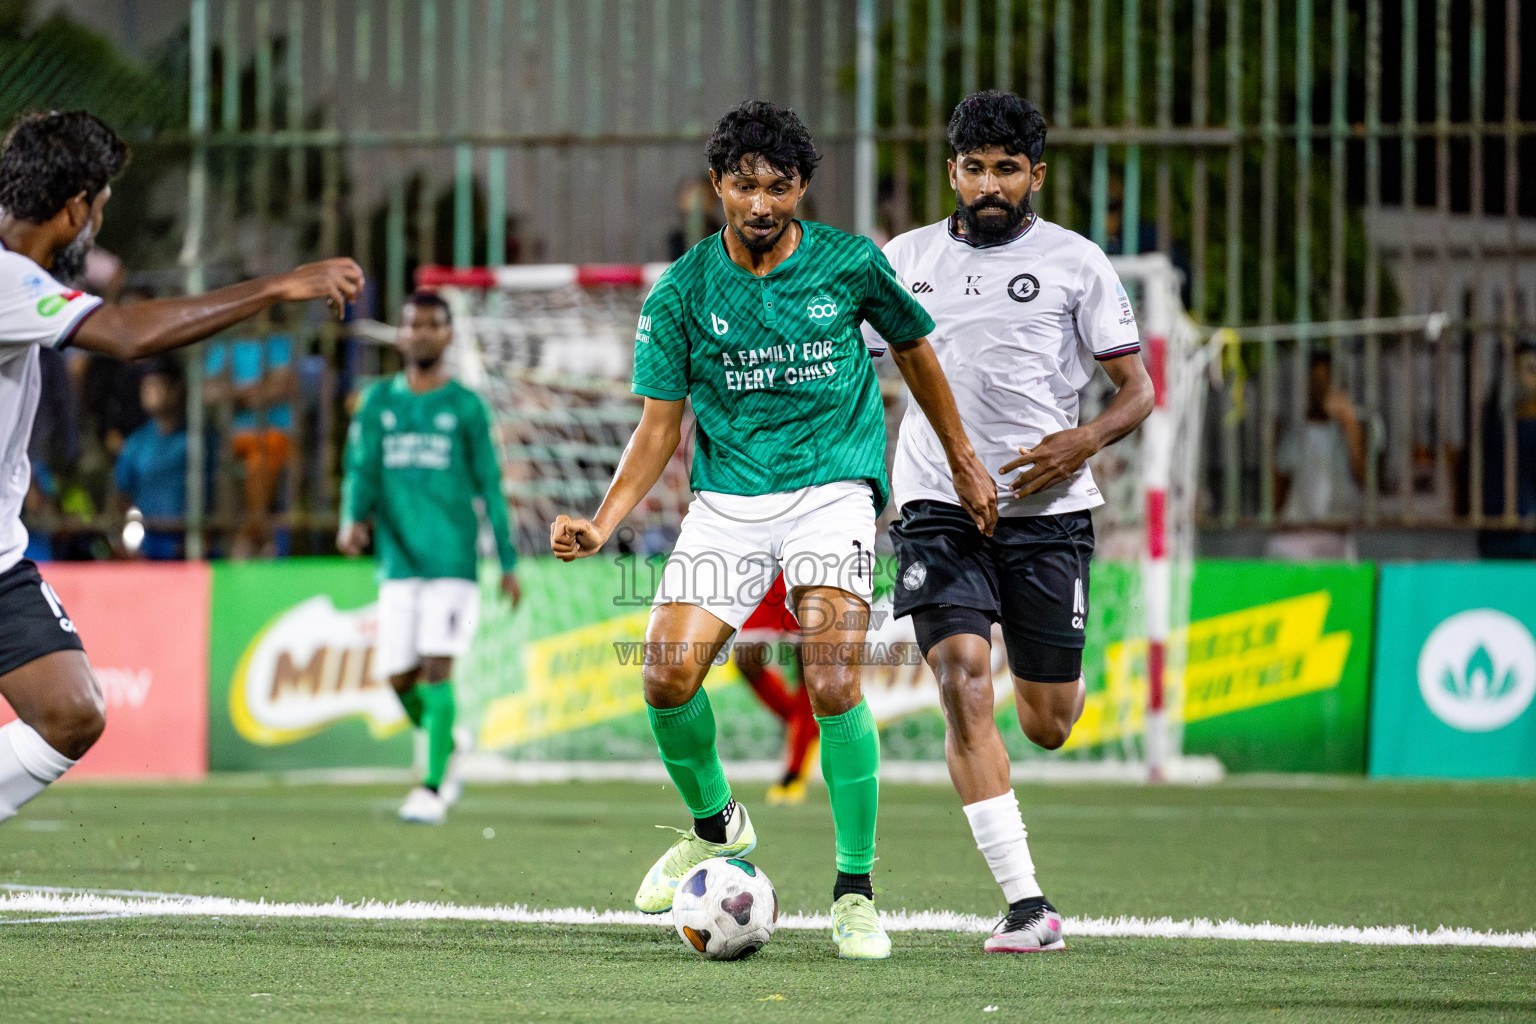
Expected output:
{"points": [[1063, 453], [974, 487], [1132, 402], [149, 328], [645, 457]]}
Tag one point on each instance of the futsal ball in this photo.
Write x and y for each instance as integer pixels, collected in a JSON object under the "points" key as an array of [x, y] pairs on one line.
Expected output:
{"points": [[725, 909]]}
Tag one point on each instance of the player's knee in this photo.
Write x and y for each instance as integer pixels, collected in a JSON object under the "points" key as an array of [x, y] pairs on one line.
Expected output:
{"points": [[834, 688], [73, 722], [965, 693], [669, 685], [1048, 728]]}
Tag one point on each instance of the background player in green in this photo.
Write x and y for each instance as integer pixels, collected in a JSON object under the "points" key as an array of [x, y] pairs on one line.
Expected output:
{"points": [[419, 455], [759, 325]]}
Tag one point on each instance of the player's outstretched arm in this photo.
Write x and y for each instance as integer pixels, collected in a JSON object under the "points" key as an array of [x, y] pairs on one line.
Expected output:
{"points": [[148, 328], [646, 455], [973, 485], [1059, 455]]}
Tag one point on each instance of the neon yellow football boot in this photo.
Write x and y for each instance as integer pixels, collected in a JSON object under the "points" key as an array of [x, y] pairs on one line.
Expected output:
{"points": [[856, 929], [660, 883]]}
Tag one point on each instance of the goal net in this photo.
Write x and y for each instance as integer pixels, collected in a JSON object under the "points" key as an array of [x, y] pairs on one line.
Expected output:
{"points": [[550, 348]]}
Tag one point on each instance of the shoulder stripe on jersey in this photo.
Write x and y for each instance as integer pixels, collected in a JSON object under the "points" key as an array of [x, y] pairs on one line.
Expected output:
{"points": [[69, 335], [1123, 350]]}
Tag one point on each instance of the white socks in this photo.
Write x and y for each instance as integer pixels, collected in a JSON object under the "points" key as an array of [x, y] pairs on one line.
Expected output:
{"points": [[999, 830], [27, 765]]}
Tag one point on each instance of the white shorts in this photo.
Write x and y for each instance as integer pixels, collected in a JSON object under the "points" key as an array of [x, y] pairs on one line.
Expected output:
{"points": [[424, 619], [732, 546]]}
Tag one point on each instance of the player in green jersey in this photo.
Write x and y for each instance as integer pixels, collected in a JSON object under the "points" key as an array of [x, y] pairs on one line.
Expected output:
{"points": [[419, 457], [759, 326]]}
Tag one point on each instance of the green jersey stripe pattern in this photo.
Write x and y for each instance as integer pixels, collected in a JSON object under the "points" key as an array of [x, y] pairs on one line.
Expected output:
{"points": [[415, 464], [782, 386]]}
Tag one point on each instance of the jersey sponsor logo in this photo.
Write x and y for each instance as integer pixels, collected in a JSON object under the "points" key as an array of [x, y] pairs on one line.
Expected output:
{"points": [[445, 421], [973, 284], [1079, 604], [921, 288], [418, 451], [915, 576], [49, 305], [719, 326], [387, 418], [643, 331], [1024, 288], [1126, 316], [822, 310]]}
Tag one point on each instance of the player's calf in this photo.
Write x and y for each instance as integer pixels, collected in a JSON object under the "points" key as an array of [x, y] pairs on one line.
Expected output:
{"points": [[60, 708]]}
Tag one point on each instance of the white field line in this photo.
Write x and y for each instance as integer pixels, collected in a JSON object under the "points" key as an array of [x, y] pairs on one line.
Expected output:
{"points": [[897, 921]]}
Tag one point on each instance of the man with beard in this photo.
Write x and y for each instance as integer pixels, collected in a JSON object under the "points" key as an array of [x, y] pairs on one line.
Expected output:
{"points": [[1024, 308], [55, 174], [419, 457], [759, 325]]}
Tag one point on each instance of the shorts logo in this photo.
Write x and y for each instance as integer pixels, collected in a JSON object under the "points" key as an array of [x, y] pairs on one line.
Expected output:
{"points": [[822, 310], [915, 575], [719, 325], [57, 608], [1024, 288], [1079, 604]]}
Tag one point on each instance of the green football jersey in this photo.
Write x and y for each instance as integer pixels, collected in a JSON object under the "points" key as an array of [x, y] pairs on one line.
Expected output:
{"points": [[415, 465], [781, 381]]}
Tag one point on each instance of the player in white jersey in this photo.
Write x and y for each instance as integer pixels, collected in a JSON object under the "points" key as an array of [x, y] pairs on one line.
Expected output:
{"points": [[1025, 309], [55, 174]]}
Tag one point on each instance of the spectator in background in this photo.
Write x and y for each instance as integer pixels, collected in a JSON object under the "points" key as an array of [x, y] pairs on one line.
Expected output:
{"points": [[698, 215], [1522, 384], [151, 472], [1319, 468], [257, 378]]}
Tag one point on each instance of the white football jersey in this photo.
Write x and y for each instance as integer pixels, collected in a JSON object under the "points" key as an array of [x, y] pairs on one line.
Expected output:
{"points": [[1020, 324], [34, 310]]}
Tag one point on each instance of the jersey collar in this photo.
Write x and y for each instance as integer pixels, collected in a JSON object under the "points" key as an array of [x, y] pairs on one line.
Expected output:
{"points": [[725, 256], [949, 223]]}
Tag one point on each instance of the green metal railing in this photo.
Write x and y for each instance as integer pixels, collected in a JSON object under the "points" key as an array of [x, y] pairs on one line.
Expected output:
{"points": [[1264, 145]]}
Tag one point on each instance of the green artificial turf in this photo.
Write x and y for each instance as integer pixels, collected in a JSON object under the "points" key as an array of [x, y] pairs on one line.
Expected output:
{"points": [[1340, 853]]}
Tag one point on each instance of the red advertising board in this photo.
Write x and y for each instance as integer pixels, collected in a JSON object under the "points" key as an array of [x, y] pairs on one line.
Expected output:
{"points": [[145, 627]]}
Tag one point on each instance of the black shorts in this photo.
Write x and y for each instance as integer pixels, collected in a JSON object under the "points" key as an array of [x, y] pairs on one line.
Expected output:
{"points": [[1031, 576], [32, 620]]}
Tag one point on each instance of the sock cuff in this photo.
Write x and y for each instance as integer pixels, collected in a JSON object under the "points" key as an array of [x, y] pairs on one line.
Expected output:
{"points": [[995, 818], [34, 754], [854, 724], [682, 714]]}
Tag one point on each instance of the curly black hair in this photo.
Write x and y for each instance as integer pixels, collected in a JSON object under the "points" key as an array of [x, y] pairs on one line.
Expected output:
{"points": [[996, 118], [49, 158], [424, 298], [758, 128]]}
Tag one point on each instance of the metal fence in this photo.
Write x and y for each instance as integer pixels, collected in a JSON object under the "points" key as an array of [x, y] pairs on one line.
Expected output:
{"points": [[1302, 162]]}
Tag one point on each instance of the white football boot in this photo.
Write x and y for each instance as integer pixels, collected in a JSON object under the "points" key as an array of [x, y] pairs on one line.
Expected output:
{"points": [[660, 883], [424, 807], [1035, 927]]}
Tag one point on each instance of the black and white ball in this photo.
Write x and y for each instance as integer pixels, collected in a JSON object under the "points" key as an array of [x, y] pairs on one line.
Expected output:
{"points": [[725, 909]]}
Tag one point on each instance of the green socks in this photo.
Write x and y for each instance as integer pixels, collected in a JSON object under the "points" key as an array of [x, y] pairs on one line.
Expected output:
{"points": [[437, 714], [686, 738], [850, 763], [411, 701]]}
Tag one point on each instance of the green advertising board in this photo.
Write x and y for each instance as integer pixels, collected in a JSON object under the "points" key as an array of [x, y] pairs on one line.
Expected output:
{"points": [[1276, 670], [290, 679], [1455, 672], [1278, 664]]}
